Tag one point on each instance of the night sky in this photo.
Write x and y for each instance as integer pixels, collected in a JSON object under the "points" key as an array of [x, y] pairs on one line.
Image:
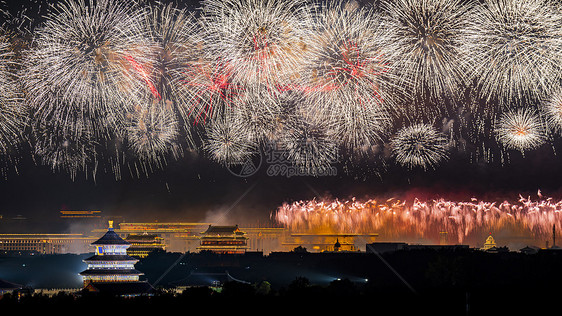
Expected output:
{"points": [[194, 188]]}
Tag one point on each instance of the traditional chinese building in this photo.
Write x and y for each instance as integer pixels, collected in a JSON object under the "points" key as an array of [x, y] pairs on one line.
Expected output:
{"points": [[224, 240], [111, 270], [143, 244]]}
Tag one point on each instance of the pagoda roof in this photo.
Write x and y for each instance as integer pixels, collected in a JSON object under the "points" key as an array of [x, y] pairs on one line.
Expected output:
{"points": [[223, 230], [110, 238], [111, 272], [110, 258]]}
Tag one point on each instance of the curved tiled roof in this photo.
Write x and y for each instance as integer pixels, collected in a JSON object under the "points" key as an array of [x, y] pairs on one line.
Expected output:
{"points": [[110, 238]]}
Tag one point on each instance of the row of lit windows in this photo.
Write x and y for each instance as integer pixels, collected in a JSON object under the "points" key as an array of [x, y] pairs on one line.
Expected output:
{"points": [[218, 243], [111, 266], [111, 278]]}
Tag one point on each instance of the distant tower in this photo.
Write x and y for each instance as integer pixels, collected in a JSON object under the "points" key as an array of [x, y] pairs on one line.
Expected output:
{"points": [[490, 243], [111, 270], [337, 245]]}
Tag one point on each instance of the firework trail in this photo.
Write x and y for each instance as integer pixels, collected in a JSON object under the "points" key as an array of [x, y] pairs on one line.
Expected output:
{"points": [[421, 218], [419, 145]]}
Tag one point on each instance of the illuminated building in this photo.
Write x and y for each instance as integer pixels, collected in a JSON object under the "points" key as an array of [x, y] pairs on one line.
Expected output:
{"points": [[143, 244], [185, 237], [490, 243], [44, 243], [110, 269], [223, 240], [80, 214], [176, 237]]}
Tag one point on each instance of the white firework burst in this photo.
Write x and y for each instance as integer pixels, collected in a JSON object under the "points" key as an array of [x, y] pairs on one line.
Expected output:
{"points": [[86, 57], [265, 41], [419, 145], [152, 131], [308, 146], [227, 142], [552, 107], [348, 83], [521, 129], [514, 49], [70, 149], [426, 37], [259, 113], [13, 113]]}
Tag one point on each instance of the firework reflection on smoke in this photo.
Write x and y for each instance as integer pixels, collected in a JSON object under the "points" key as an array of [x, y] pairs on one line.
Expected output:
{"points": [[422, 219]]}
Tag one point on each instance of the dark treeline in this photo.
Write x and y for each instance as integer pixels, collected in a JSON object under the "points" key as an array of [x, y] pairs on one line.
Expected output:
{"points": [[413, 281]]}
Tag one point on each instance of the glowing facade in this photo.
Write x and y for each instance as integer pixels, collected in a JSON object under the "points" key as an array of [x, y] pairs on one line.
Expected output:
{"points": [[110, 263], [224, 240], [143, 244]]}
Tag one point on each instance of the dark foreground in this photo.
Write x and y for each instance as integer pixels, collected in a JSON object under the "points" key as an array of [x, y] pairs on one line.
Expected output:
{"points": [[459, 282]]}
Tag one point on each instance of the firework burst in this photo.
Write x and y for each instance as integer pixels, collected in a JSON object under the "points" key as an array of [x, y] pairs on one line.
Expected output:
{"points": [[152, 131], [514, 49], [308, 146], [85, 57], [348, 84], [13, 114], [426, 37], [522, 129], [264, 41], [419, 145], [227, 143]]}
